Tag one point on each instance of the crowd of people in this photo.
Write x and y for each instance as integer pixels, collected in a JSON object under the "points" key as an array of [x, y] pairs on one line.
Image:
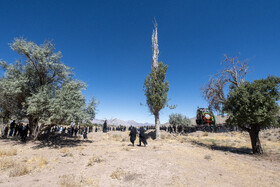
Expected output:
{"points": [[19, 130]]}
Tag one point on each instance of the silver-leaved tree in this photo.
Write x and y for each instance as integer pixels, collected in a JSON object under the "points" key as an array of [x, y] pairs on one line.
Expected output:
{"points": [[40, 88]]}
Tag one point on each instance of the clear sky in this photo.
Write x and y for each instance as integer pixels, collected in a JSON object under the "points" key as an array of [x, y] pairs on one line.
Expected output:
{"points": [[108, 43]]}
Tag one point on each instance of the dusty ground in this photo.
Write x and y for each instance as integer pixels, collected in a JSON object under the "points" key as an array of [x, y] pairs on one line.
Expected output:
{"points": [[198, 159]]}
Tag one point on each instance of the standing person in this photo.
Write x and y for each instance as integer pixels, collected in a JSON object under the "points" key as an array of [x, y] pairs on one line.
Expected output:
{"points": [[20, 129], [12, 127], [76, 130], [105, 126], [24, 132], [142, 137], [132, 135], [16, 129], [85, 133], [6, 130]]}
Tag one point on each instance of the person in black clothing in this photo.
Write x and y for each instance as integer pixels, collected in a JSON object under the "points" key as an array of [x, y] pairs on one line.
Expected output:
{"points": [[105, 126], [85, 133], [132, 135], [180, 128], [24, 132], [20, 129], [12, 127], [76, 131], [16, 130], [6, 130], [95, 129], [142, 137]]}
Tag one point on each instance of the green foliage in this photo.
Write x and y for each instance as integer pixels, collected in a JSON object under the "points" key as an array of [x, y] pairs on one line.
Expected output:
{"points": [[41, 88], [91, 108], [254, 104], [179, 119], [156, 88]]}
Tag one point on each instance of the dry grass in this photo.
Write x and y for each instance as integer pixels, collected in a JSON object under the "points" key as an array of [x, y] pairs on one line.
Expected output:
{"points": [[205, 134], [269, 141], [130, 177], [76, 181], [19, 170], [207, 157], [37, 162], [118, 174], [6, 163], [94, 159], [182, 139], [64, 150], [116, 137], [126, 148], [8, 152]]}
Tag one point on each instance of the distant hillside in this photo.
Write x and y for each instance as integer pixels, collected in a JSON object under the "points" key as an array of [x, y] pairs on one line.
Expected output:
{"points": [[118, 122]]}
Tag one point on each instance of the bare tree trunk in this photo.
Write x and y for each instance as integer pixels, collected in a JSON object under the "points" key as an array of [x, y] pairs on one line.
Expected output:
{"points": [[38, 131], [33, 124], [157, 124], [255, 141]]}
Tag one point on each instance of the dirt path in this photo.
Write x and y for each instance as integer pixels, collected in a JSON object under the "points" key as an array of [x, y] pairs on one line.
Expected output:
{"points": [[108, 160]]}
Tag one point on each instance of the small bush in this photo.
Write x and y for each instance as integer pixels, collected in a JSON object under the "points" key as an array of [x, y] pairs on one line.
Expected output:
{"points": [[207, 157], [117, 137], [6, 163], [64, 150], [94, 159], [117, 174], [76, 181], [8, 152], [205, 134], [19, 170]]}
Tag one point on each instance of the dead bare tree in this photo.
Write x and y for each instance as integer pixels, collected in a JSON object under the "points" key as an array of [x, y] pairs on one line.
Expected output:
{"points": [[232, 75], [155, 46]]}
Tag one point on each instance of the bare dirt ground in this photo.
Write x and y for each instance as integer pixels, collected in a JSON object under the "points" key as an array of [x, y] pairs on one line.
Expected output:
{"points": [[198, 159]]}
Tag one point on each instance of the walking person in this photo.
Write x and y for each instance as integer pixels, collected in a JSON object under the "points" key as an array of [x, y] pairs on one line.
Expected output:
{"points": [[132, 135], [142, 137]]}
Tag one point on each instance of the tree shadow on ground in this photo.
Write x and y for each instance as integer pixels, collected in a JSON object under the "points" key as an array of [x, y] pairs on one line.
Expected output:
{"points": [[241, 150], [52, 140], [55, 140], [14, 139]]}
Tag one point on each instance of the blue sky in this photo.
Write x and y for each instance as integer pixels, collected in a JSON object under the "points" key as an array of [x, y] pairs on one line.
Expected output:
{"points": [[108, 43]]}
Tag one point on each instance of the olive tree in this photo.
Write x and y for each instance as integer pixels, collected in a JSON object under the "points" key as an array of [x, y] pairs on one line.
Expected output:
{"points": [[253, 106], [179, 119], [40, 88]]}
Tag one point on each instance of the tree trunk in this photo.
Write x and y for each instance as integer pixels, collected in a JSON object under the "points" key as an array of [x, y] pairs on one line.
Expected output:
{"points": [[33, 124], [157, 124], [255, 141], [38, 131]]}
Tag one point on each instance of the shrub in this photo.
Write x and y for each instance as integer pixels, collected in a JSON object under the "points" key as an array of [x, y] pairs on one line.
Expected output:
{"points": [[20, 170]]}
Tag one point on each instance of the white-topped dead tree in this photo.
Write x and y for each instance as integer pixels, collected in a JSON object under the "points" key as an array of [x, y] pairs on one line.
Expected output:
{"points": [[155, 86], [155, 47]]}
